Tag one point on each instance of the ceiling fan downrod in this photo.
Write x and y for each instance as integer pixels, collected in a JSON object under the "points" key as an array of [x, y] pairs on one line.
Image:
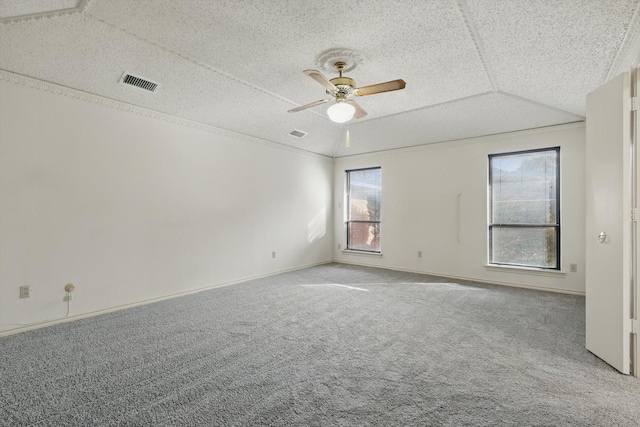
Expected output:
{"points": [[344, 84]]}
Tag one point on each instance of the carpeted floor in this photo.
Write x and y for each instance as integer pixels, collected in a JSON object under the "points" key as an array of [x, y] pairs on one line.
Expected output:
{"points": [[333, 345]]}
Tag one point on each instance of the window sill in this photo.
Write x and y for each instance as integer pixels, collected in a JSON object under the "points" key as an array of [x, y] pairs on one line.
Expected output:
{"points": [[524, 270], [365, 253]]}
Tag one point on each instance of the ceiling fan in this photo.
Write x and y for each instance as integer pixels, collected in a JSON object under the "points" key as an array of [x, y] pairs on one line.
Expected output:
{"points": [[342, 89]]}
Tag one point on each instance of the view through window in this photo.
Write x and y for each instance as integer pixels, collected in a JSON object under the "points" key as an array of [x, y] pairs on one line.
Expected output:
{"points": [[363, 216], [524, 223]]}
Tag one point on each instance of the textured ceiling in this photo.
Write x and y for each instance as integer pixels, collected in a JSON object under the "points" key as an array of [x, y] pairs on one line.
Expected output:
{"points": [[472, 67]]}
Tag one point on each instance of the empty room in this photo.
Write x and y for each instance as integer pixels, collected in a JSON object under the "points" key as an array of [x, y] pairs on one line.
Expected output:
{"points": [[354, 213]]}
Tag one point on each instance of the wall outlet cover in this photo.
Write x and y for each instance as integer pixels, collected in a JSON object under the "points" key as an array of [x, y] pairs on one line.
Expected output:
{"points": [[25, 291]]}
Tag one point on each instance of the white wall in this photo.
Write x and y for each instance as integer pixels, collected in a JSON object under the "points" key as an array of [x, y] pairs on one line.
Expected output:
{"points": [[420, 190], [130, 207], [135, 205]]}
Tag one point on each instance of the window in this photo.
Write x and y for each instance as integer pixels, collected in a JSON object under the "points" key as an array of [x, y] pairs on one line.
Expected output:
{"points": [[524, 200], [363, 215]]}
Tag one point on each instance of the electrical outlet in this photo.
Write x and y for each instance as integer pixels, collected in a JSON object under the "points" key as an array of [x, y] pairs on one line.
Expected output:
{"points": [[25, 291], [273, 254], [573, 268], [419, 254]]}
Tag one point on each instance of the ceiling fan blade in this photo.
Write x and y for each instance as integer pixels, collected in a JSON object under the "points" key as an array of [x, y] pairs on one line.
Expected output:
{"points": [[380, 87], [360, 112], [320, 78], [313, 104]]}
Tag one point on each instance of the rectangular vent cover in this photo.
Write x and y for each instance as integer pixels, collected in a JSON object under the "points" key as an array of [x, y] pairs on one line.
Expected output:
{"points": [[139, 82], [297, 133]]}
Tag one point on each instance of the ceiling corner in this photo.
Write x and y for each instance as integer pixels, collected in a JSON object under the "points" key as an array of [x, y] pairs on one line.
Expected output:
{"points": [[14, 12], [477, 42], [630, 44]]}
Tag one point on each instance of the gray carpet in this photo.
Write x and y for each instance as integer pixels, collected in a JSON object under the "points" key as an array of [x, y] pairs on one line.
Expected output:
{"points": [[334, 345]]}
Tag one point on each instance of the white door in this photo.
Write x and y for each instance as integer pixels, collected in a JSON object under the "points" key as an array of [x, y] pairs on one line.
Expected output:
{"points": [[608, 223]]}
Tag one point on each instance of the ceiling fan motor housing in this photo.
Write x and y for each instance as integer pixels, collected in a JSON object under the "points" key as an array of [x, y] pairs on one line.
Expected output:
{"points": [[345, 85]]}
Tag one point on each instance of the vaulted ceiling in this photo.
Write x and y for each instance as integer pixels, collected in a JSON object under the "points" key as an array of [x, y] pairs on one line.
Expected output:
{"points": [[472, 67]]}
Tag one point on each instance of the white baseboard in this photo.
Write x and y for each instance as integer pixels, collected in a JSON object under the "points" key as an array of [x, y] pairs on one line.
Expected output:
{"points": [[471, 279], [45, 323]]}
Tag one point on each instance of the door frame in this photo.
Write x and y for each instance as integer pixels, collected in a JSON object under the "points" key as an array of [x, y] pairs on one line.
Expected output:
{"points": [[634, 196]]}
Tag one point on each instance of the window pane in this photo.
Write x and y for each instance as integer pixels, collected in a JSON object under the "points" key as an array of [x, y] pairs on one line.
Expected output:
{"points": [[364, 195], [364, 236], [535, 246], [364, 205], [523, 188]]}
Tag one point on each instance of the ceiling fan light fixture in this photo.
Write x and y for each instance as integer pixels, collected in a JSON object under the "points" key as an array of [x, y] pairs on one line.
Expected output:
{"points": [[341, 112]]}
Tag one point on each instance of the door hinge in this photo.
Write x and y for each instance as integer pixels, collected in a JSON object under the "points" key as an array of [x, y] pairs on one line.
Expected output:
{"points": [[635, 326], [634, 103], [633, 215]]}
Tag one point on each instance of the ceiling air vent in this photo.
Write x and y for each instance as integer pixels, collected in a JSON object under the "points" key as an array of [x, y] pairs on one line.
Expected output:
{"points": [[297, 133], [139, 82]]}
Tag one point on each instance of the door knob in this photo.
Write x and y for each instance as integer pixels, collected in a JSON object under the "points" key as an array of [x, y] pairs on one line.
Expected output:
{"points": [[602, 237]]}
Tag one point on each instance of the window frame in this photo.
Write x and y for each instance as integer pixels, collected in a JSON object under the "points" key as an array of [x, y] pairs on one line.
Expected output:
{"points": [[556, 226], [349, 221]]}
